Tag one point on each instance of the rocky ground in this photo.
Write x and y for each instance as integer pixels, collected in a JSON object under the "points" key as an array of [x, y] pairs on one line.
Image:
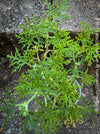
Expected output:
{"points": [[14, 12]]}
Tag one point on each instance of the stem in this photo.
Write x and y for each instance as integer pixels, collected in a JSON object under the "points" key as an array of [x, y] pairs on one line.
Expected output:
{"points": [[29, 64], [31, 98], [45, 54], [37, 55], [25, 104]]}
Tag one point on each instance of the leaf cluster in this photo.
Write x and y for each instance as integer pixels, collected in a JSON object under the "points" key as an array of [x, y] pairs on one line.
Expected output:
{"points": [[57, 11]]}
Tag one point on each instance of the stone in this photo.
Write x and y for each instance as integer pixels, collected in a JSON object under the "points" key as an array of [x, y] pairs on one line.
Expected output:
{"points": [[15, 12]]}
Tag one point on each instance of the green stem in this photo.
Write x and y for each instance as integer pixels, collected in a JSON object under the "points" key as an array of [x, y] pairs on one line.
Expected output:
{"points": [[45, 55], [31, 98], [25, 104], [37, 55]]}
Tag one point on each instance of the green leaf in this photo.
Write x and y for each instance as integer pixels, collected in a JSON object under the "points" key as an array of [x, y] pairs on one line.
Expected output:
{"points": [[8, 106]]}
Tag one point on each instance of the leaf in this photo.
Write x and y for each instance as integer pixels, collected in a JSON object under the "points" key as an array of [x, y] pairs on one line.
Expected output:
{"points": [[9, 106]]}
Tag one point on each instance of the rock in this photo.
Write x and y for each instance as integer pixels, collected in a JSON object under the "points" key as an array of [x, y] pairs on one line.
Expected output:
{"points": [[15, 12]]}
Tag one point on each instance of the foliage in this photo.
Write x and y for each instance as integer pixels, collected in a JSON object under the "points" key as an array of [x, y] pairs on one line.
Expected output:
{"points": [[48, 56], [8, 106]]}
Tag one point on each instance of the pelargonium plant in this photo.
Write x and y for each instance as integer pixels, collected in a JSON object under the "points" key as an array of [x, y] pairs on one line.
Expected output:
{"points": [[54, 65]]}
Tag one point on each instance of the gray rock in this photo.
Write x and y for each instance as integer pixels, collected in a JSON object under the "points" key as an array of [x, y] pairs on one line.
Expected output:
{"points": [[14, 12]]}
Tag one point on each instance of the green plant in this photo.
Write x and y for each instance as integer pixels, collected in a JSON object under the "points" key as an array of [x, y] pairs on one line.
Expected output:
{"points": [[48, 52]]}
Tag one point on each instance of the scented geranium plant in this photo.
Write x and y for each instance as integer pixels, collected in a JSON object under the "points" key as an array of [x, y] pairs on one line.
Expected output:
{"points": [[54, 63]]}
